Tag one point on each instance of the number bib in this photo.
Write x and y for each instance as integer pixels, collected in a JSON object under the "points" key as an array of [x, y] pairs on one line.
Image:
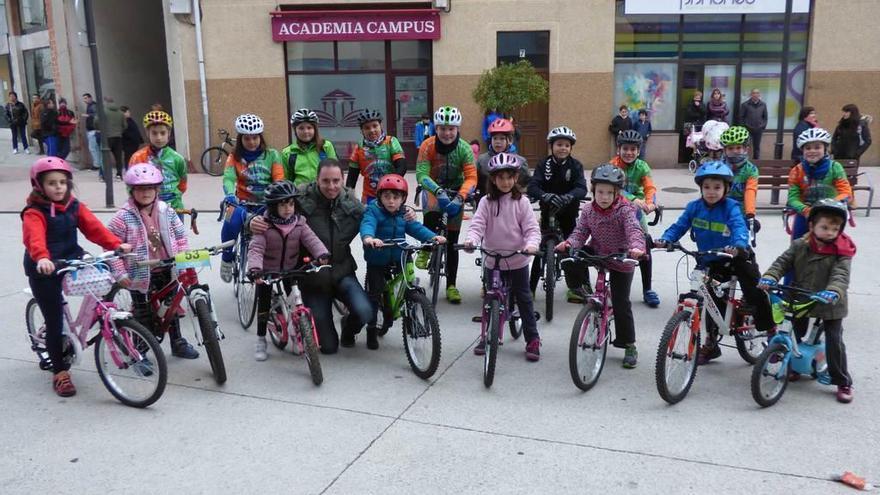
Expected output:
{"points": [[196, 258]]}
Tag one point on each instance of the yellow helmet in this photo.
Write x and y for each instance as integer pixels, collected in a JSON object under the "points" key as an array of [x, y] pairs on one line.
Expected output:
{"points": [[157, 117]]}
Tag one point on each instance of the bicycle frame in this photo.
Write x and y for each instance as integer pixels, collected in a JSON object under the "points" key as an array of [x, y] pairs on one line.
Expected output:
{"points": [[185, 285], [498, 291], [291, 307], [801, 355]]}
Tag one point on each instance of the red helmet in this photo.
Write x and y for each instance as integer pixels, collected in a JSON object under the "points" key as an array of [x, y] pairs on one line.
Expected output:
{"points": [[48, 164], [501, 126], [392, 182]]}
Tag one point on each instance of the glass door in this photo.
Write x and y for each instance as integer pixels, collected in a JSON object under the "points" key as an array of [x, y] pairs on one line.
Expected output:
{"points": [[411, 100]]}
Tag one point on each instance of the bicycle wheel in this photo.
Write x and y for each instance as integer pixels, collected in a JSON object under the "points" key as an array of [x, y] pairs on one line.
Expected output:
{"points": [[692, 166], [515, 321], [247, 301], [421, 335], [436, 269], [135, 383], [277, 329], [211, 341], [213, 160], [306, 331], [676, 364], [36, 328], [770, 376], [750, 343], [549, 277], [586, 353], [494, 330]]}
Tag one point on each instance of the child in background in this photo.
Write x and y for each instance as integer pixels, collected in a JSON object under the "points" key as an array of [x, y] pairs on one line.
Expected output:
{"points": [[424, 129], [308, 148], [744, 189], [170, 163], [643, 127], [377, 155], [501, 133]]}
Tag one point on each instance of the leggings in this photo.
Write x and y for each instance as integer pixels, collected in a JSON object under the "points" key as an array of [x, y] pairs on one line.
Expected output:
{"points": [[142, 311], [432, 222], [518, 281], [264, 304], [47, 292], [646, 264]]}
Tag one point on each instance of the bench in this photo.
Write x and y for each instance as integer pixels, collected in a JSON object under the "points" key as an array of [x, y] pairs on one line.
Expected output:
{"points": [[773, 175]]}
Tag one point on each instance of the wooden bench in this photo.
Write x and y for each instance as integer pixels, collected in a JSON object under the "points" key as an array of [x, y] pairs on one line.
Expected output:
{"points": [[773, 175]]}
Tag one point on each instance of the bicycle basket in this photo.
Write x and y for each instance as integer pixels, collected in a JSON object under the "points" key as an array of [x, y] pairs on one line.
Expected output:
{"points": [[93, 280]]}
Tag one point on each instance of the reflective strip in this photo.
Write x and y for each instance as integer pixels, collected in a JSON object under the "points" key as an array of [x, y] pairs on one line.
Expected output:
{"points": [[699, 223]]}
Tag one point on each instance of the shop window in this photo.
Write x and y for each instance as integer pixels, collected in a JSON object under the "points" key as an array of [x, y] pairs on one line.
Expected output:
{"points": [[411, 54], [32, 14], [654, 36], [649, 86], [710, 36], [765, 77], [361, 55], [312, 56], [763, 36], [38, 72], [534, 46]]}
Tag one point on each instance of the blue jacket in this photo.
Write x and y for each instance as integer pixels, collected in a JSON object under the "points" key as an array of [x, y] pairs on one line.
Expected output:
{"points": [[714, 227], [380, 224], [419, 133]]}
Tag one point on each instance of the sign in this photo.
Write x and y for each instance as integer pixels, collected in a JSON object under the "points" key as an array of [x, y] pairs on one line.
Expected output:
{"points": [[737, 7], [195, 258], [358, 25]]}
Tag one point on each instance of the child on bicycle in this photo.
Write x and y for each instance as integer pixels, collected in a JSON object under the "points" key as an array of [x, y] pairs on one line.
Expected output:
{"points": [[821, 263], [500, 140], [816, 177], [559, 185], [736, 142], [505, 222], [308, 148], [50, 220], [155, 232], [249, 170], [717, 222], [640, 190], [158, 125], [611, 226], [384, 220], [278, 249], [377, 155], [444, 168]]}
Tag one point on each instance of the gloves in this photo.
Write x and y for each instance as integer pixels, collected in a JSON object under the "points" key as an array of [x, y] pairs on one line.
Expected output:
{"points": [[231, 199], [754, 224], [547, 198], [558, 201], [442, 198], [769, 282], [454, 207], [825, 297]]}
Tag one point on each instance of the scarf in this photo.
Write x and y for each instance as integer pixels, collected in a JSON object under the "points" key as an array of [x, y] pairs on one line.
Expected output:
{"points": [[373, 144], [446, 149], [276, 220], [249, 156]]}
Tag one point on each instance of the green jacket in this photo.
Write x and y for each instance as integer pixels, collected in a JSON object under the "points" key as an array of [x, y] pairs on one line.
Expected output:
{"points": [[301, 163], [115, 121]]}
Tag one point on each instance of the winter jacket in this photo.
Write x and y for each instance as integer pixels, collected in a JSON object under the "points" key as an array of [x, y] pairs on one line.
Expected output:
{"points": [[851, 140], [619, 124], [643, 128], [818, 267], [372, 162], [639, 184], [455, 170], [131, 136], [17, 113], [248, 181], [173, 168], [559, 178], [36, 112], [301, 160], [714, 227], [753, 115], [483, 171], [65, 121], [796, 153], [49, 122], [420, 133], [609, 231], [278, 248], [695, 114], [128, 225], [717, 110], [116, 124], [745, 186], [380, 224], [810, 183], [92, 116], [505, 225]]}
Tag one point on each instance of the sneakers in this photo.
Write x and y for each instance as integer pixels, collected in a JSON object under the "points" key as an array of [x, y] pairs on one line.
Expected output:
{"points": [[844, 394], [182, 349], [533, 350], [630, 357], [480, 348], [346, 339], [577, 296], [64, 387], [226, 271], [372, 338], [651, 298], [707, 354], [422, 260], [15, 152], [452, 295], [260, 353], [27, 151]]}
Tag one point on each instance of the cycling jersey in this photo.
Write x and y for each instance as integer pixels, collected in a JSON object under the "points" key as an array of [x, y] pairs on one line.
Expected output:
{"points": [[375, 161], [248, 181], [173, 168], [301, 161], [744, 188], [810, 183], [638, 180], [454, 171]]}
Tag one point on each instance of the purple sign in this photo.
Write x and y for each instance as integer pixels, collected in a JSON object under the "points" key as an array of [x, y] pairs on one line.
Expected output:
{"points": [[361, 25]]}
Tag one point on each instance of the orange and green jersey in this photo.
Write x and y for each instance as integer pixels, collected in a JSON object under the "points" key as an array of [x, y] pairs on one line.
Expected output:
{"points": [[249, 180], [373, 162], [173, 168]]}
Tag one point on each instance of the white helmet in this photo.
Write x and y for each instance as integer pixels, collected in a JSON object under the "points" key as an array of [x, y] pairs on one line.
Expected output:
{"points": [[447, 116], [303, 115], [812, 135], [712, 131], [248, 123], [560, 133]]}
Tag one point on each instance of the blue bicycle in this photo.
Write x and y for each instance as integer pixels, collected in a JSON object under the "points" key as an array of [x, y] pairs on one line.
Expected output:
{"points": [[242, 287]]}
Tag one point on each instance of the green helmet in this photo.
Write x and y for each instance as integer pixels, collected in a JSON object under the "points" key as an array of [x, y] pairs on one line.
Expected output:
{"points": [[735, 135]]}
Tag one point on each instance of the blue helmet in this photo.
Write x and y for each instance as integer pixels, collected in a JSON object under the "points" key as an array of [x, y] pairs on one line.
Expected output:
{"points": [[714, 170]]}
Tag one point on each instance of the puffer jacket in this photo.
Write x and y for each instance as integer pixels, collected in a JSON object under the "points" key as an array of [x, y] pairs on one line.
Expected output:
{"points": [[278, 248], [381, 224], [504, 225], [609, 231]]}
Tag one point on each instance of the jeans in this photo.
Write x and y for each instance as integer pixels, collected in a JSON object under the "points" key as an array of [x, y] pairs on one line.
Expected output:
{"points": [[47, 292], [835, 349], [349, 291], [232, 226], [63, 147], [94, 140], [19, 132], [755, 135], [375, 288], [51, 145], [518, 283]]}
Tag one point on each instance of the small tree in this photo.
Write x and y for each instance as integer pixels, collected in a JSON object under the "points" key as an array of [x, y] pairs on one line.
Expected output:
{"points": [[510, 86]]}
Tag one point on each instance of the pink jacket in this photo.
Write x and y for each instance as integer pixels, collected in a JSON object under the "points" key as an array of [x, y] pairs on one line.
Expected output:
{"points": [[610, 231], [278, 248], [505, 225]]}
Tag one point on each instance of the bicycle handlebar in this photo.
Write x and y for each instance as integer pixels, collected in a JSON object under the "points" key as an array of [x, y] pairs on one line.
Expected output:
{"points": [[658, 216], [495, 254], [675, 246], [64, 265], [406, 245], [580, 255], [213, 250], [270, 277], [193, 214]]}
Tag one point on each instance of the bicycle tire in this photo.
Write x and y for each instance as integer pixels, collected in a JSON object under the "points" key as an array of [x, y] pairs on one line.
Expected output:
{"points": [[515, 322], [491, 355], [692, 166], [31, 311], [678, 324], [211, 341], [759, 374], [213, 160], [584, 344], [306, 331], [277, 330], [246, 300], [415, 332], [750, 350], [549, 278], [436, 268], [151, 371]]}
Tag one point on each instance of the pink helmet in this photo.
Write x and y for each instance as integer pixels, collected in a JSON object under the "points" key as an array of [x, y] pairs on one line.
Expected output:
{"points": [[143, 174], [501, 126], [48, 164], [503, 161]]}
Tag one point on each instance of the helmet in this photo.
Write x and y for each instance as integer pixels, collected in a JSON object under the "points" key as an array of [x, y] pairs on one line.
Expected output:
{"points": [[503, 161], [560, 133], [629, 137], [367, 115], [501, 126], [712, 131], [48, 164], [392, 182], [143, 174], [811, 135], [714, 170], [829, 205], [280, 191], [303, 115], [157, 117], [447, 116], [735, 135], [249, 124], [608, 174]]}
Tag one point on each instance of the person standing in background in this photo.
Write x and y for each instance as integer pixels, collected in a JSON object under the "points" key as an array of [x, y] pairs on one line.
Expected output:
{"points": [[806, 120], [621, 122], [66, 124], [643, 127], [36, 111], [852, 137], [753, 116], [114, 128], [17, 116], [424, 129], [93, 135], [717, 109], [131, 136]]}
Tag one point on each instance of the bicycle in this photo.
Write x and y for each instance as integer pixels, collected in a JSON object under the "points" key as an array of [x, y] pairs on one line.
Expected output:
{"points": [[213, 159], [242, 287], [166, 304], [592, 327], [290, 320], [437, 262], [550, 272], [193, 215], [403, 297], [785, 354], [676, 365], [128, 358]]}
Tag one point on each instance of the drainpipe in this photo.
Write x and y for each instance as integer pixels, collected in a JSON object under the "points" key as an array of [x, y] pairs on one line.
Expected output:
{"points": [[203, 86]]}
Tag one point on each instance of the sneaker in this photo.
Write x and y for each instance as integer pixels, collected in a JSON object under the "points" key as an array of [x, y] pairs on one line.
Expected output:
{"points": [[260, 353], [372, 338], [226, 271], [651, 298], [144, 367], [453, 295], [480, 348], [27, 151], [347, 338], [64, 387], [707, 354], [533, 350], [118, 178], [182, 349], [15, 152], [844, 394], [630, 357], [577, 296], [422, 260]]}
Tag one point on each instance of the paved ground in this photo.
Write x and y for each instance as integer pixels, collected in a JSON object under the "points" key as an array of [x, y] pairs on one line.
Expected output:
{"points": [[373, 427]]}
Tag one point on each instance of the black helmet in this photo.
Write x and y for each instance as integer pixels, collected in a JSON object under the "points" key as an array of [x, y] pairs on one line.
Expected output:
{"points": [[368, 115], [608, 174], [830, 206], [629, 137], [280, 191]]}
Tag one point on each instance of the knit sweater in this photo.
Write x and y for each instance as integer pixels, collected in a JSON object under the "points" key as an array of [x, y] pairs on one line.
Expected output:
{"points": [[505, 225], [609, 231]]}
